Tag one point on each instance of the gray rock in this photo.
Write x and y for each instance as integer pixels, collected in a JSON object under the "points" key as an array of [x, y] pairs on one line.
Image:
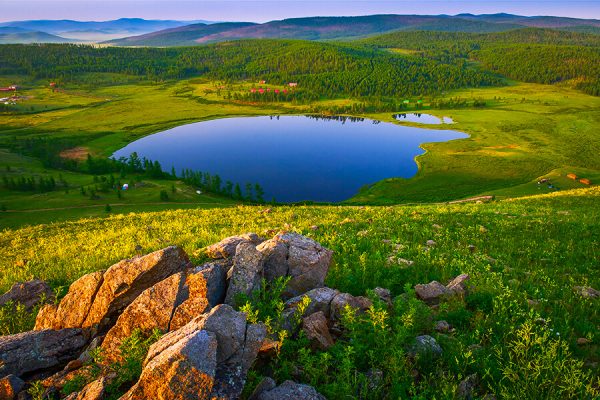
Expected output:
{"points": [[316, 330], [246, 273], [37, 350], [265, 385], [426, 345], [458, 285], [29, 294], [320, 300], [339, 303], [227, 247], [468, 386], [297, 256], [214, 286], [431, 293], [384, 295], [289, 390], [442, 326]]}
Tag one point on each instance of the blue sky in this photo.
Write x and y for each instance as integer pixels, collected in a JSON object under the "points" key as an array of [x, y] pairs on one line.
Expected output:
{"points": [[262, 11]]}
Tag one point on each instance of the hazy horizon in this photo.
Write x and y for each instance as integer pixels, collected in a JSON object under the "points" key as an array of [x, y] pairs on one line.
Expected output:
{"points": [[264, 11]]}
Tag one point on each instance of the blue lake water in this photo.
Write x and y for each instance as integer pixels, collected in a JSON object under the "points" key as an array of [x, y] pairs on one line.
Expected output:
{"points": [[293, 158], [423, 118]]}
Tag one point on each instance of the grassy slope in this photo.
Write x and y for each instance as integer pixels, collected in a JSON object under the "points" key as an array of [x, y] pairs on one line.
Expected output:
{"points": [[526, 131], [541, 247]]}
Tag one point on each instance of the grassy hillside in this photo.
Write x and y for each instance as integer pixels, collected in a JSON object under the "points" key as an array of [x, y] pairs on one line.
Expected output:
{"points": [[524, 257]]}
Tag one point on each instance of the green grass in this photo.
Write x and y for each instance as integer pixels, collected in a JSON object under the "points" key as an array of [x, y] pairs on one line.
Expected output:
{"points": [[525, 132], [530, 248]]}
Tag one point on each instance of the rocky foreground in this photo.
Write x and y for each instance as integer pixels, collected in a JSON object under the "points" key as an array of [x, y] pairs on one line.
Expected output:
{"points": [[206, 347]]}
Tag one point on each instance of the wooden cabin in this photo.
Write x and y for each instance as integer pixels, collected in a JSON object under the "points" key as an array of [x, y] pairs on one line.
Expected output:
{"points": [[572, 176], [585, 181], [293, 84]]}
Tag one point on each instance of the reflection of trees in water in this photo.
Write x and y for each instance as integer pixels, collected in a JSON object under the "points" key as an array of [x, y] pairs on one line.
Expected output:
{"points": [[405, 115], [341, 118]]}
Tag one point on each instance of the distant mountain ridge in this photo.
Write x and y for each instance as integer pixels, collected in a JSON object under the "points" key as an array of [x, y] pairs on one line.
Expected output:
{"points": [[165, 33], [341, 28], [96, 30]]}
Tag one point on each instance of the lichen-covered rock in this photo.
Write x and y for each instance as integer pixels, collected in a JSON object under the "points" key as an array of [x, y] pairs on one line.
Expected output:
{"points": [[152, 309], [227, 247], [468, 386], [127, 279], [316, 330], [209, 281], [247, 272], [37, 350], [184, 370], [265, 385], [425, 345], [29, 294], [431, 293], [74, 307], [10, 386], [297, 256], [290, 390]]}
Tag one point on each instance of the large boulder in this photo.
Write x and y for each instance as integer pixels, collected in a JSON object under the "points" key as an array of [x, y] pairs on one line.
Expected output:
{"points": [[152, 309], [74, 307], [37, 350], [10, 386], [227, 247], [301, 258], [237, 345], [184, 369], [29, 294], [127, 279], [97, 299], [246, 272], [290, 390]]}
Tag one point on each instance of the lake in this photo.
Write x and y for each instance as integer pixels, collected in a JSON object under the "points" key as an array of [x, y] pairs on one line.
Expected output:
{"points": [[427, 119], [293, 158]]}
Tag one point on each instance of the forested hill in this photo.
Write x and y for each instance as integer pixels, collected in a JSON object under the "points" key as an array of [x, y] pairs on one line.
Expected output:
{"points": [[530, 55], [322, 70]]}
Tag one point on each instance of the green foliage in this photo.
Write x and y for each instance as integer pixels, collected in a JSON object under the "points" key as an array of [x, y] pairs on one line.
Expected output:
{"points": [[15, 318], [126, 371]]}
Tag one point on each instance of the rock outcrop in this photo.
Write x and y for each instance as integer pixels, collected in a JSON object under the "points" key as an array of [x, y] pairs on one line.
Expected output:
{"points": [[97, 299], [432, 293], [29, 294], [316, 330], [37, 350], [246, 272]]}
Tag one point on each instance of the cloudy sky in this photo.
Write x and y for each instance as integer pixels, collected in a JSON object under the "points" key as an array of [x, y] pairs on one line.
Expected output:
{"points": [[261, 11]]}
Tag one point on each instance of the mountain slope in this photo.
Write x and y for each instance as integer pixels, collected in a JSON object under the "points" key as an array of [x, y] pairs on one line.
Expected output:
{"points": [[181, 36], [25, 37]]}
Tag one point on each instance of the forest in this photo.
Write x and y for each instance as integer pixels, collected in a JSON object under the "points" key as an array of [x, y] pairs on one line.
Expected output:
{"points": [[325, 70], [529, 55]]}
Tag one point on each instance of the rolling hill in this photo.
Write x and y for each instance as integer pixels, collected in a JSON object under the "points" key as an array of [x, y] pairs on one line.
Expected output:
{"points": [[22, 36], [345, 28], [96, 31]]}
